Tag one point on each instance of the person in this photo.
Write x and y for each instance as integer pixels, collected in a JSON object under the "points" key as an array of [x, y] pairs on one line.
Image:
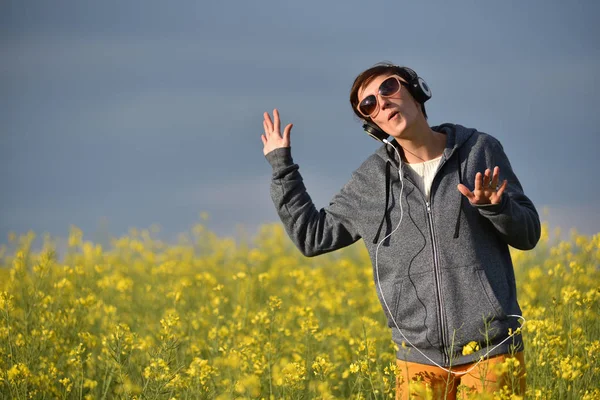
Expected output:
{"points": [[437, 221]]}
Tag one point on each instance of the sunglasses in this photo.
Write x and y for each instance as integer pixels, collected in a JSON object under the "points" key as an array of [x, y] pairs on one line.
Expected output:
{"points": [[369, 106]]}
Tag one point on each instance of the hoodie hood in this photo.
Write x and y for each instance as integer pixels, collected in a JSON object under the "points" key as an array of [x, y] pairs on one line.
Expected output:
{"points": [[456, 134]]}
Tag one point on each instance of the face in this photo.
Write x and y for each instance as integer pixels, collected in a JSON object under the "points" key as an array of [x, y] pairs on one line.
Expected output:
{"points": [[394, 113]]}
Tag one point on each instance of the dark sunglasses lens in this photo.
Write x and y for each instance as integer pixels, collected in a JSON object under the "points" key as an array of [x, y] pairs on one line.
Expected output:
{"points": [[368, 105], [389, 87]]}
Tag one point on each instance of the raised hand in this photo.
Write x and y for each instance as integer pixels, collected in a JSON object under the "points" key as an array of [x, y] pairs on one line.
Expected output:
{"points": [[486, 188], [272, 138]]}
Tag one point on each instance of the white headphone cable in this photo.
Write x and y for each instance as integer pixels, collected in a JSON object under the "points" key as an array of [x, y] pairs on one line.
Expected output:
{"points": [[385, 302]]}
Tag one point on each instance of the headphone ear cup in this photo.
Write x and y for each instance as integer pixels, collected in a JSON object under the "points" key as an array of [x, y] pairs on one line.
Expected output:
{"points": [[419, 89], [375, 132], [425, 87], [422, 90]]}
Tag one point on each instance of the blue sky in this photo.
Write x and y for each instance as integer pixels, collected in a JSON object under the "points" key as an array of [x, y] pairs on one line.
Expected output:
{"points": [[126, 114]]}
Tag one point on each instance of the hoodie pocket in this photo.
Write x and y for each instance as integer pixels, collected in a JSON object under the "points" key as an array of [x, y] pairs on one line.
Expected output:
{"points": [[415, 310], [472, 310], [487, 288]]}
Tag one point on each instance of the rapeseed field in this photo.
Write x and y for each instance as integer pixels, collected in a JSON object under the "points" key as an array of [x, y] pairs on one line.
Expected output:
{"points": [[217, 318]]}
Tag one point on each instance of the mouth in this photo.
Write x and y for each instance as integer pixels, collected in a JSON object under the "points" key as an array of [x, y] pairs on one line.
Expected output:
{"points": [[392, 115]]}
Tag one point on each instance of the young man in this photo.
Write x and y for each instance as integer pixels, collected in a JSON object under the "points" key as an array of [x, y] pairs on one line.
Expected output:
{"points": [[440, 250]]}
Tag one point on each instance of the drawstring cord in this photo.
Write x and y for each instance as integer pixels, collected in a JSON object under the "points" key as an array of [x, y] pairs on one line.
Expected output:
{"points": [[387, 201], [457, 227]]}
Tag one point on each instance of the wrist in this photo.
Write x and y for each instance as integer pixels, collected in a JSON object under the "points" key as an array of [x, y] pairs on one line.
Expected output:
{"points": [[280, 157]]}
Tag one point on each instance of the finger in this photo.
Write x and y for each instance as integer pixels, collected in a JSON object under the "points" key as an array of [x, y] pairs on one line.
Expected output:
{"points": [[267, 130], [286, 133], [501, 189], [268, 122], [495, 178], [264, 139], [465, 191], [277, 126], [478, 181], [486, 178]]}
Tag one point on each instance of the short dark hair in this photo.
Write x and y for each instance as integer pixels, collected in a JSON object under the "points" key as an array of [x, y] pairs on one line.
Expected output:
{"points": [[365, 77]]}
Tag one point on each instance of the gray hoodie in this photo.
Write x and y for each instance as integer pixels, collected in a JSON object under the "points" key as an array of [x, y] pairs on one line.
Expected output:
{"points": [[445, 277]]}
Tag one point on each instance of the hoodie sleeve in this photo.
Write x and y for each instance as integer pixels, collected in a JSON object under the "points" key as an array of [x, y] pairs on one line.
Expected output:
{"points": [[515, 218], [313, 231]]}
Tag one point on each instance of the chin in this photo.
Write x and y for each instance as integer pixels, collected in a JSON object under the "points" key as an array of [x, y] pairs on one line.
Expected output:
{"points": [[397, 130]]}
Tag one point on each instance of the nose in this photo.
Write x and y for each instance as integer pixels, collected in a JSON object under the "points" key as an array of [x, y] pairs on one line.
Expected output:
{"points": [[384, 102]]}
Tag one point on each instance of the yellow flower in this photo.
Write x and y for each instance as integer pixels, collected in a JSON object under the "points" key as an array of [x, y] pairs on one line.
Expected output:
{"points": [[18, 372], [321, 366], [470, 348], [248, 384], [66, 382], [251, 339], [569, 368], [274, 303], [75, 236], [6, 301], [293, 374], [89, 384]]}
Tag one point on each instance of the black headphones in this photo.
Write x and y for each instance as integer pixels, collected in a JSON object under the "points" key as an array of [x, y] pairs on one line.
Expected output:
{"points": [[418, 89]]}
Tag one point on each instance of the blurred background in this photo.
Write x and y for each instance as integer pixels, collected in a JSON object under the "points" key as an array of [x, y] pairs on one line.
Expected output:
{"points": [[126, 114]]}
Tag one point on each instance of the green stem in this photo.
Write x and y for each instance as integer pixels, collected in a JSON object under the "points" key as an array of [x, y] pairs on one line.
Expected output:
{"points": [[110, 376]]}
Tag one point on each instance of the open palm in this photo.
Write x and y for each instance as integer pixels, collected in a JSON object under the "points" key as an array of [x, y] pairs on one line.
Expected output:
{"points": [[272, 138], [486, 189]]}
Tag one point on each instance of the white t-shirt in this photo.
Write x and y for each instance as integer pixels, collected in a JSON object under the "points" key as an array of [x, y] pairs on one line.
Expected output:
{"points": [[423, 173]]}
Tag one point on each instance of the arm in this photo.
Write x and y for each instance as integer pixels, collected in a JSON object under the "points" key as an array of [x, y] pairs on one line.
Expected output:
{"points": [[506, 206], [313, 231]]}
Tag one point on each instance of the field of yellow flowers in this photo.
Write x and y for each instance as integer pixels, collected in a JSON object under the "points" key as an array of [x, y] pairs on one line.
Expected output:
{"points": [[217, 318]]}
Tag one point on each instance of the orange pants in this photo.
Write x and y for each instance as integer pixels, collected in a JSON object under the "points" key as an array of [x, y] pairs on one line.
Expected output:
{"points": [[420, 381]]}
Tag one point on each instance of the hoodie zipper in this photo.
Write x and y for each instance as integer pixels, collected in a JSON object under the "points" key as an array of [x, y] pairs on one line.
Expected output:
{"points": [[436, 270], [436, 267]]}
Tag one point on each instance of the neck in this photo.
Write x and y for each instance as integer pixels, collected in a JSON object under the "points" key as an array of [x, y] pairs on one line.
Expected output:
{"points": [[420, 143]]}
